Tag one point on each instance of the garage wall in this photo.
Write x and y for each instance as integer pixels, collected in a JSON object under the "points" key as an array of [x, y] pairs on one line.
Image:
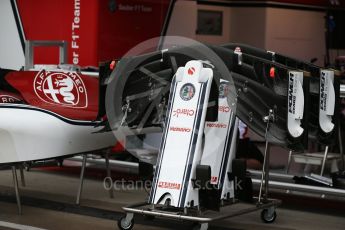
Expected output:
{"points": [[247, 25], [183, 19], [183, 22], [296, 33]]}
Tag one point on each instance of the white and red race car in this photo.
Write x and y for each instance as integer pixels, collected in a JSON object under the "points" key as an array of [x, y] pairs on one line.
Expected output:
{"points": [[50, 113]]}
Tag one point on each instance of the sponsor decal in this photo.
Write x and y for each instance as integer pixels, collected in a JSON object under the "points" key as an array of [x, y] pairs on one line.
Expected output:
{"points": [[223, 89], [180, 129], [135, 8], [191, 71], [323, 92], [75, 32], [216, 125], [8, 99], [214, 180], [187, 91], [224, 109], [65, 89], [169, 185], [183, 112], [291, 96]]}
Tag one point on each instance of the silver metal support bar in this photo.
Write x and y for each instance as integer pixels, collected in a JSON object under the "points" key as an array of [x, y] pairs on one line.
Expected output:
{"points": [[324, 161], [123, 166], [81, 180], [340, 141], [289, 162], [111, 191], [29, 51], [265, 168], [145, 209], [304, 188], [22, 177], [16, 189]]}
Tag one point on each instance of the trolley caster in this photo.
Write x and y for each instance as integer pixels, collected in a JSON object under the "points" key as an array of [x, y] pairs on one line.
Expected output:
{"points": [[268, 215], [126, 222], [200, 226]]}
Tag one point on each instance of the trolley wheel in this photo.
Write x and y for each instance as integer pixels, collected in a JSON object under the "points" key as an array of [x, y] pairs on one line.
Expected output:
{"points": [[200, 226], [268, 216], [123, 224]]}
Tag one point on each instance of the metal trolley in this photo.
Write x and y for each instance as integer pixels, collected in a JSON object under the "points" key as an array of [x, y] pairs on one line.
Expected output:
{"points": [[228, 209], [201, 219]]}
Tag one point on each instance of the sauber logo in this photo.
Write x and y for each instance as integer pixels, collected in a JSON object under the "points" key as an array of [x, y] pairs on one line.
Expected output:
{"points": [[169, 185], [66, 89], [191, 70], [183, 112], [179, 129], [8, 99]]}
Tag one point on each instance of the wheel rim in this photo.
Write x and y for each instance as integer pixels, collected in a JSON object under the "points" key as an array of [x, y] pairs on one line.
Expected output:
{"points": [[268, 217], [125, 224]]}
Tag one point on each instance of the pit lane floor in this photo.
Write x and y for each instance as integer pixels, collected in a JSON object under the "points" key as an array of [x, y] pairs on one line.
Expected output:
{"points": [[48, 203]]}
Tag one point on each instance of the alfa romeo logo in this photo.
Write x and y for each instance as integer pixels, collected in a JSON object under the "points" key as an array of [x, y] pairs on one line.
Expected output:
{"points": [[187, 91], [66, 89], [223, 89]]}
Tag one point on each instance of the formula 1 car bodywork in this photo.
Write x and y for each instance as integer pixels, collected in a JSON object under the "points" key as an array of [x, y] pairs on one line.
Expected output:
{"points": [[49, 113], [255, 91]]}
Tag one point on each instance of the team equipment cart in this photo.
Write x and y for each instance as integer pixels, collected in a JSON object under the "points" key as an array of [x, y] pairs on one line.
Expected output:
{"points": [[196, 177]]}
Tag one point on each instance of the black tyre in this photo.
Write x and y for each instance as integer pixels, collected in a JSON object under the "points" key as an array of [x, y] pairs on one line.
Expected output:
{"points": [[267, 217], [124, 225]]}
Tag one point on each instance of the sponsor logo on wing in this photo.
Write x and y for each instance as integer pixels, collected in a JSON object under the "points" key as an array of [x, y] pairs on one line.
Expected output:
{"points": [[217, 125], [183, 112], [291, 96], [169, 185], [180, 129], [65, 89], [224, 109], [323, 93]]}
